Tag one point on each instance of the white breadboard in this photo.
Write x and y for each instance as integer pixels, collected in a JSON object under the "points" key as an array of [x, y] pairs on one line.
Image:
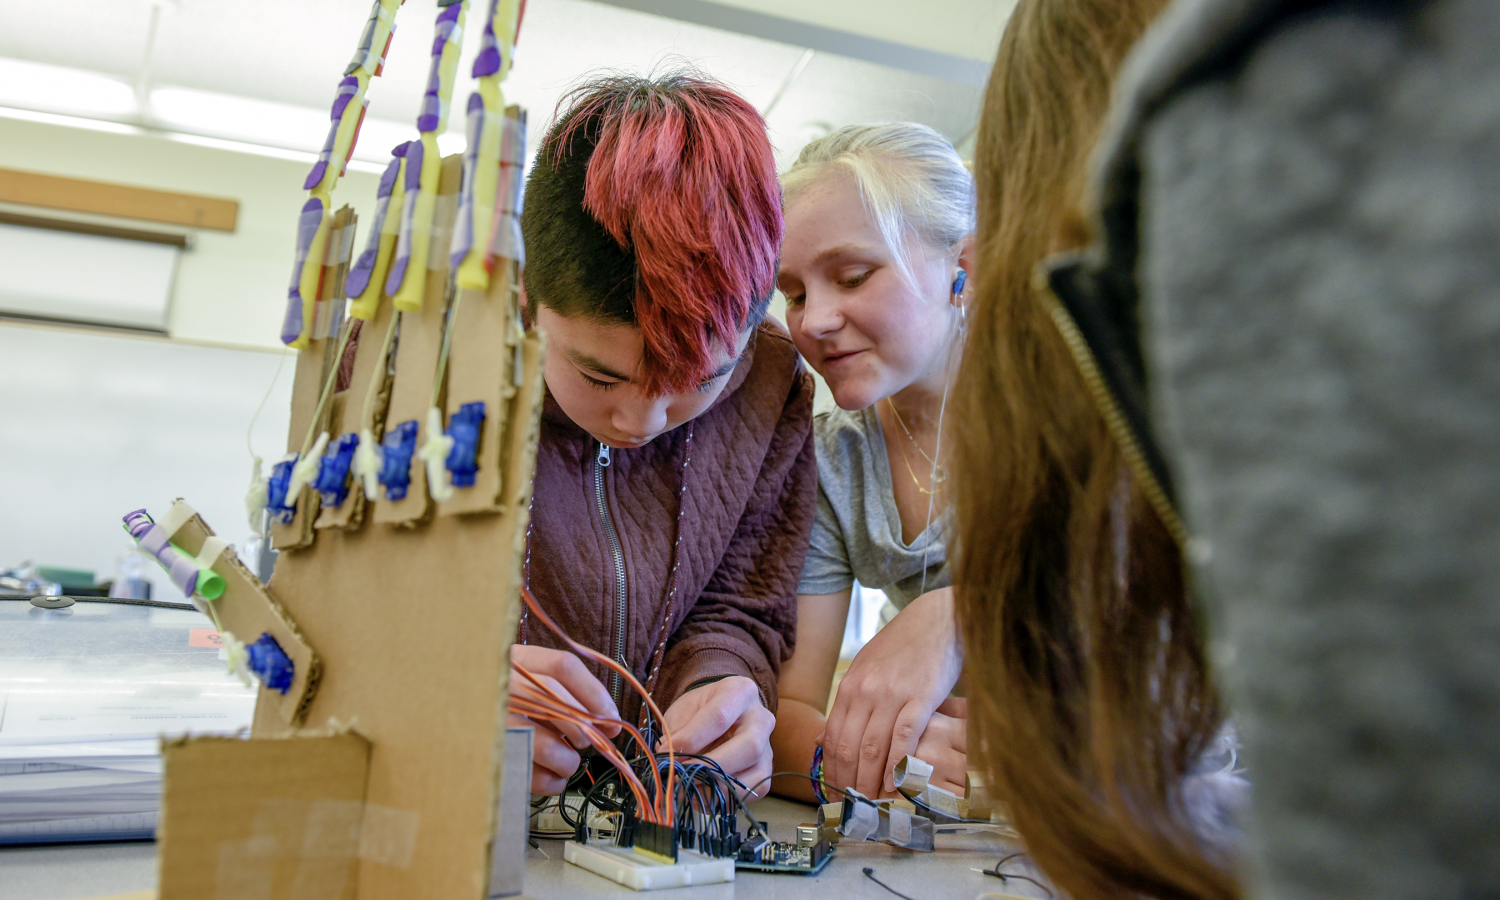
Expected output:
{"points": [[550, 821], [625, 867]]}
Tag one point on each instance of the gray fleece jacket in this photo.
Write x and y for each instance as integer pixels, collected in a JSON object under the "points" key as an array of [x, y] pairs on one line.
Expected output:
{"points": [[1301, 239]]}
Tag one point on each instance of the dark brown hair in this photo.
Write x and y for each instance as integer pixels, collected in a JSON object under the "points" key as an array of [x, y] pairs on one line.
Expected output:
{"points": [[1089, 694]]}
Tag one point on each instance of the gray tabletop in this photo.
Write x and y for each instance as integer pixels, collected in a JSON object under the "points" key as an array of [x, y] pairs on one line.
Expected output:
{"points": [[74, 871]]}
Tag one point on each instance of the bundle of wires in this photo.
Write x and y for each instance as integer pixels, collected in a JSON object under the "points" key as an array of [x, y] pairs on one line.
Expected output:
{"points": [[705, 802], [650, 781]]}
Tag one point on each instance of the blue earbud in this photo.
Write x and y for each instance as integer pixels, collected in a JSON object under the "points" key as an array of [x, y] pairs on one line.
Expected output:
{"points": [[959, 281]]}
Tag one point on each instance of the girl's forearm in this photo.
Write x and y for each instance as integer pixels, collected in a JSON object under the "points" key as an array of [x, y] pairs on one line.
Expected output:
{"points": [[798, 726]]}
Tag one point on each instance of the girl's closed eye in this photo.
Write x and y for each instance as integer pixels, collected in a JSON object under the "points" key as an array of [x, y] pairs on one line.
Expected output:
{"points": [[854, 281]]}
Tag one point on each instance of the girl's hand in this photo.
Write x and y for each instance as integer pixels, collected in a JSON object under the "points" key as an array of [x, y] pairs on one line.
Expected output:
{"points": [[889, 694], [944, 746]]}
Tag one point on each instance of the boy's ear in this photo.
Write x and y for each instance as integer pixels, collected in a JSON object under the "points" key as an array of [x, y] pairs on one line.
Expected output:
{"points": [[527, 316]]}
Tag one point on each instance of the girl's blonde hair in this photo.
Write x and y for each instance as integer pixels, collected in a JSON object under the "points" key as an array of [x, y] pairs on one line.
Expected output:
{"points": [[913, 183]]}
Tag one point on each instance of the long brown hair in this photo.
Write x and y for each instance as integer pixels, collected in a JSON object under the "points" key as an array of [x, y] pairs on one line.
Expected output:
{"points": [[1089, 693]]}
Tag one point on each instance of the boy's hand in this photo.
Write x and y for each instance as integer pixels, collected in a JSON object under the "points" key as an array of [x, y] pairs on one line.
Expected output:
{"points": [[725, 721], [554, 757]]}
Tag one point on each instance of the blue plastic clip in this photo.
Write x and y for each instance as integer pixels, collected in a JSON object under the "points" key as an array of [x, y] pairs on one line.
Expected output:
{"points": [[333, 472], [463, 427], [276, 505], [270, 664], [395, 463]]}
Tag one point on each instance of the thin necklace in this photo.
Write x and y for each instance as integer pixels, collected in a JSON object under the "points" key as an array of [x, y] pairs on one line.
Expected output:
{"points": [[938, 474]]}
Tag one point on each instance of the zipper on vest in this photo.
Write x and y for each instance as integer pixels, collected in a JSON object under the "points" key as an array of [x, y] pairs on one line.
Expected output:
{"points": [[1109, 408], [618, 554]]}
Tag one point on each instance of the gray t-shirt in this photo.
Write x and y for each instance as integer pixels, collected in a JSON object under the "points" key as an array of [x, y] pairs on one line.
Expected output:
{"points": [[857, 533]]}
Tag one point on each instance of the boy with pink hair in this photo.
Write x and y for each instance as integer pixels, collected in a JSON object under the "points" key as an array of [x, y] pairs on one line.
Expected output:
{"points": [[675, 478]]}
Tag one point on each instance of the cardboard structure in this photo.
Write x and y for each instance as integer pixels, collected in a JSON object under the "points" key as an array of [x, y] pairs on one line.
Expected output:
{"points": [[378, 758], [377, 774]]}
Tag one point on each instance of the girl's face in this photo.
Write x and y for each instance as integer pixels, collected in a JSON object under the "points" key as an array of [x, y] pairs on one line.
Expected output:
{"points": [[867, 331], [591, 368]]}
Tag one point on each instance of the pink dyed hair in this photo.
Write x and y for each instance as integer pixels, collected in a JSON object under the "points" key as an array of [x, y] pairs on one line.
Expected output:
{"points": [[682, 176]]}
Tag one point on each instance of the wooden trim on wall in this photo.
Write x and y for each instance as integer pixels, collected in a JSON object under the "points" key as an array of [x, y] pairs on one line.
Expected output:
{"points": [[105, 198], [128, 234]]}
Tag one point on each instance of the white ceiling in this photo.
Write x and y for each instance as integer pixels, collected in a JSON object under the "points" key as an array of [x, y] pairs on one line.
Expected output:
{"points": [[292, 52]]}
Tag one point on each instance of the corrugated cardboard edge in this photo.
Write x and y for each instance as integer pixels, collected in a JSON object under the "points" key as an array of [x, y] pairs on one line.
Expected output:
{"points": [[416, 365], [522, 464], [298, 533], [483, 320], [312, 368], [367, 366], [519, 457], [277, 621]]}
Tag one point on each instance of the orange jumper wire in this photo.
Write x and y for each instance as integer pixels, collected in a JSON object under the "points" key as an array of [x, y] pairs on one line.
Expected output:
{"points": [[665, 808]]}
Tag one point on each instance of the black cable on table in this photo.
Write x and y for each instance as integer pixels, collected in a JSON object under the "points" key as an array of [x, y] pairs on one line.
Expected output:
{"points": [[870, 874], [1003, 876]]}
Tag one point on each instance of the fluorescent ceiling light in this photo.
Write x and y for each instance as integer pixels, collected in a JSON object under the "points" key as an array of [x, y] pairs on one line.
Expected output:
{"points": [[224, 115], [298, 131], [39, 86], [301, 156], [28, 115]]}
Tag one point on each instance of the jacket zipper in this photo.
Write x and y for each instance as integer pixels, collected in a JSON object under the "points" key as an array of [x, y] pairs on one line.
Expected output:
{"points": [[1130, 446], [601, 462]]}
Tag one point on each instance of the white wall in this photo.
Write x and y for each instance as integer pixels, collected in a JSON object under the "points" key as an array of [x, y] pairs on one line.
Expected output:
{"points": [[95, 424], [969, 28], [231, 287]]}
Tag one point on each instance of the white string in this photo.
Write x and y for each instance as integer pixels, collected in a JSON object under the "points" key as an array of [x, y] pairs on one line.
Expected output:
{"points": [[269, 388], [937, 454]]}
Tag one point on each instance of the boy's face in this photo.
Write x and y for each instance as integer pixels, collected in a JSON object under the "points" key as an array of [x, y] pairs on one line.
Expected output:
{"points": [[591, 370]]}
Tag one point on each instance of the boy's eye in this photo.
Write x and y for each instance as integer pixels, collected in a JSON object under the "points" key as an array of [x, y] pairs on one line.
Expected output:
{"points": [[601, 385]]}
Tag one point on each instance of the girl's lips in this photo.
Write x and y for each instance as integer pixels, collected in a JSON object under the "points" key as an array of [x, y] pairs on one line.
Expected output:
{"points": [[835, 358]]}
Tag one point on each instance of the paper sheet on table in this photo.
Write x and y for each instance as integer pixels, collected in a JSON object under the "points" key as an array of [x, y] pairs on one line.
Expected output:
{"points": [[85, 695], [88, 710]]}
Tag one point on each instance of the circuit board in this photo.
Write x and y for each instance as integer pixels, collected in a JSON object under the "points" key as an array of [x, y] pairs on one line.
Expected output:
{"points": [[789, 859]]}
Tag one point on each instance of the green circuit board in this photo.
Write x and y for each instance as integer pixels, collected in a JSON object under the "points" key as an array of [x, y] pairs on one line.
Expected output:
{"points": [[788, 859]]}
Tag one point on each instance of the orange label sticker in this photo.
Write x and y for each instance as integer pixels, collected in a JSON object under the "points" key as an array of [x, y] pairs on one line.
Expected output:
{"points": [[204, 637]]}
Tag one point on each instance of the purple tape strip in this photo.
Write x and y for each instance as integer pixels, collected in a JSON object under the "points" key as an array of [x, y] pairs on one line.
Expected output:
{"points": [[432, 101], [154, 540], [414, 153], [488, 60], [307, 229], [366, 41], [505, 236], [347, 89], [463, 234], [364, 267]]}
